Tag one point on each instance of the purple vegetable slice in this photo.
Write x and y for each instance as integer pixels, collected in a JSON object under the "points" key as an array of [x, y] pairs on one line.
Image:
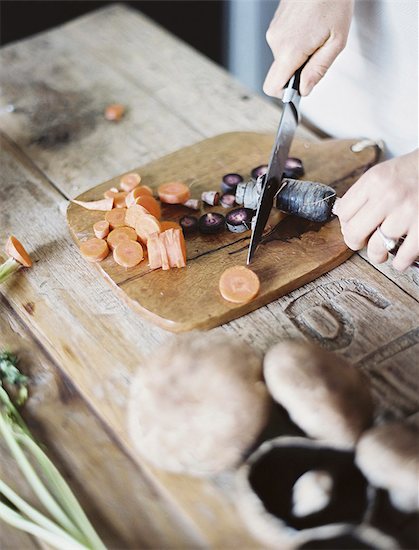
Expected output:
{"points": [[212, 222], [293, 168], [228, 200], [259, 171], [189, 224], [239, 220], [230, 182]]}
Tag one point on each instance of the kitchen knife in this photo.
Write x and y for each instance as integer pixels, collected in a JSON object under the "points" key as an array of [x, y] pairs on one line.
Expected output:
{"points": [[272, 183]]}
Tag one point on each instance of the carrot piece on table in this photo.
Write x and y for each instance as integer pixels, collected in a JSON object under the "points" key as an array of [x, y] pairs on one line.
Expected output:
{"points": [[121, 234], [140, 191], [101, 229], [119, 199], [174, 192], [153, 251], [133, 214], [150, 204], [128, 253], [102, 204], [239, 284], [147, 225], [129, 181], [16, 250], [116, 217], [94, 250], [169, 225], [172, 243], [114, 112], [110, 193]]}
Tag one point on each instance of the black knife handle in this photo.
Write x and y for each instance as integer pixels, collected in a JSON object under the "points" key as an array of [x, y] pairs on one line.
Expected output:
{"points": [[294, 82]]}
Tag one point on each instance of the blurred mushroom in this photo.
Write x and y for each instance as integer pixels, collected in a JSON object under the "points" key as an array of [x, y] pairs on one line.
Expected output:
{"points": [[266, 489], [388, 455], [311, 492], [198, 404], [325, 396]]}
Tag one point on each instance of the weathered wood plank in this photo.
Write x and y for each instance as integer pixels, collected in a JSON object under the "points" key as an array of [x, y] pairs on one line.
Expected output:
{"points": [[125, 509], [12, 539]]}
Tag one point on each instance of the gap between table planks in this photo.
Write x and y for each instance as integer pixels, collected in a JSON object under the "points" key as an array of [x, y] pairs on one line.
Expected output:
{"points": [[188, 299]]}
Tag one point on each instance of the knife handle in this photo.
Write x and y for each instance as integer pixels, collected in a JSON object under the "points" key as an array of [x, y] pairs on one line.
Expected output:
{"points": [[293, 84]]}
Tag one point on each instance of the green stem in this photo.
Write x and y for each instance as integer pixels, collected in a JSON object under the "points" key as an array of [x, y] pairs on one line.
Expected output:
{"points": [[9, 267], [17, 520]]}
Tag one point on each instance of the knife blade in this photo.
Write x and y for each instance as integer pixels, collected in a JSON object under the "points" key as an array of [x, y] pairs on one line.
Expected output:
{"points": [[284, 136]]}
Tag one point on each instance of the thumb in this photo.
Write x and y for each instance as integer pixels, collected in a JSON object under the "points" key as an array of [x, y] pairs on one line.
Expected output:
{"points": [[318, 64]]}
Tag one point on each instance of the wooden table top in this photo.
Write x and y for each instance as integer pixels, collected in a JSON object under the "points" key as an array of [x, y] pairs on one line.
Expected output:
{"points": [[56, 316]]}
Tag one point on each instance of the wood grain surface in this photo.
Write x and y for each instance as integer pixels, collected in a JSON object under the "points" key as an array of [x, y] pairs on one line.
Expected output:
{"points": [[56, 145], [298, 252]]}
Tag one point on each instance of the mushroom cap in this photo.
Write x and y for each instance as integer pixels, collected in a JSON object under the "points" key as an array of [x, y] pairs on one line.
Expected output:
{"points": [[324, 395], [198, 404], [388, 456]]}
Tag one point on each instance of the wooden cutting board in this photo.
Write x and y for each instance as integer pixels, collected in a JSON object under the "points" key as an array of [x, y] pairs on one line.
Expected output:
{"points": [[185, 299]]}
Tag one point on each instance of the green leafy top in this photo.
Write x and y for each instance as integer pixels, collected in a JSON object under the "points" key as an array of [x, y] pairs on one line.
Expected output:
{"points": [[10, 374]]}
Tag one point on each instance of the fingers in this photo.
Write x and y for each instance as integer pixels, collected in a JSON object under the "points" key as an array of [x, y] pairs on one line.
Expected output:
{"points": [[358, 229], [281, 71], [376, 250], [409, 250]]}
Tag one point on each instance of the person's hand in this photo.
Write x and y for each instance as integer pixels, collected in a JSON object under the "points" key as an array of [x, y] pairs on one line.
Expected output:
{"points": [[386, 196], [304, 28]]}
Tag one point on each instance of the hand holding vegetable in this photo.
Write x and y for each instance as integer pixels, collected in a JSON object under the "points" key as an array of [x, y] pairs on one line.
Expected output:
{"points": [[304, 28], [385, 197]]}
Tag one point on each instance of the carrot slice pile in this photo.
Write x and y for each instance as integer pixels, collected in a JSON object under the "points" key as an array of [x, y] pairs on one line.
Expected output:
{"points": [[102, 204], [238, 284], [16, 250], [147, 225], [150, 204], [119, 199], [133, 214], [128, 253], [101, 229], [174, 192], [129, 181], [121, 234], [116, 217], [94, 250], [140, 191]]}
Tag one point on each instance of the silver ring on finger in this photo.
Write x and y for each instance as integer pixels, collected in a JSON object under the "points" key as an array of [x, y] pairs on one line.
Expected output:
{"points": [[389, 243]]}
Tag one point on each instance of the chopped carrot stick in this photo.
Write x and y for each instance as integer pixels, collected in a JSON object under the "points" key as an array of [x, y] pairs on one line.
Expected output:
{"points": [[238, 284], [169, 225], [133, 214], [153, 251], [128, 253], [129, 181], [119, 199], [145, 226], [114, 112], [174, 192], [140, 191], [116, 217], [16, 250], [110, 193], [102, 204], [173, 246], [121, 234], [150, 204], [94, 250], [165, 265], [101, 229]]}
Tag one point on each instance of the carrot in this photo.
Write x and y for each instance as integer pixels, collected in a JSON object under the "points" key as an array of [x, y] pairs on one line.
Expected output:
{"points": [[94, 250], [150, 204], [145, 226], [101, 229], [175, 252], [239, 284], [133, 214], [163, 253], [110, 193], [169, 225], [140, 191], [114, 112], [16, 250], [128, 253], [129, 181], [119, 199], [174, 192], [153, 251], [116, 217], [102, 204], [121, 234]]}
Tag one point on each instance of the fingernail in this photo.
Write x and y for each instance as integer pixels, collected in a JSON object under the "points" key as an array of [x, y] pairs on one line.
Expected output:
{"points": [[335, 207]]}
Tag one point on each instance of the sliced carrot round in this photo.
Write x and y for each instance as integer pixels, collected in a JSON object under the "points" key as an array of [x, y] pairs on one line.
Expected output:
{"points": [[174, 192], [150, 204], [129, 181], [133, 214], [128, 253], [119, 199], [94, 250], [121, 234], [146, 226], [169, 225], [101, 229], [116, 217], [16, 250], [238, 284], [140, 191]]}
